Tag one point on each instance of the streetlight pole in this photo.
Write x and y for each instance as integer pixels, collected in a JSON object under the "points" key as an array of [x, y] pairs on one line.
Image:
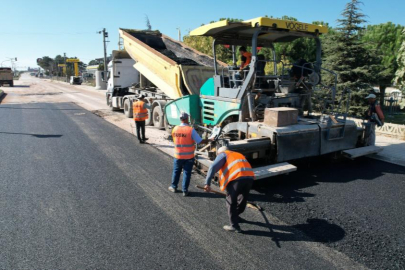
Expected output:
{"points": [[9, 59], [64, 55], [105, 35]]}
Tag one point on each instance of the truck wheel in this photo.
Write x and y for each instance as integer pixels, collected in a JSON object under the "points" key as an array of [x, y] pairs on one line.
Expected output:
{"points": [[128, 109], [149, 121], [168, 127], [11, 84], [110, 104], [158, 120]]}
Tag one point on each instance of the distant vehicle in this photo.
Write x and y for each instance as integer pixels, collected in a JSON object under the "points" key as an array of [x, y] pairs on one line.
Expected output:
{"points": [[6, 76], [32, 74], [41, 75], [76, 80]]}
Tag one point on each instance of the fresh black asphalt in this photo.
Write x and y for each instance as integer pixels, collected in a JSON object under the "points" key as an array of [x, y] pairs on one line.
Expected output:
{"points": [[354, 206], [77, 192]]}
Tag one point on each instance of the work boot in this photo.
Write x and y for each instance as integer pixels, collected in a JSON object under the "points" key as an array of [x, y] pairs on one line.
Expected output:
{"points": [[232, 229], [145, 139], [185, 194], [140, 141], [172, 189]]}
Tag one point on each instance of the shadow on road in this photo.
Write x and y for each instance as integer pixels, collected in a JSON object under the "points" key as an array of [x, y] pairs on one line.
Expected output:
{"points": [[3, 96], [34, 135], [22, 86], [315, 230]]}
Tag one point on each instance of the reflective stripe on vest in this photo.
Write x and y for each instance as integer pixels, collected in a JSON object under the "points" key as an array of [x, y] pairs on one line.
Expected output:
{"points": [[183, 142], [236, 166], [140, 114]]}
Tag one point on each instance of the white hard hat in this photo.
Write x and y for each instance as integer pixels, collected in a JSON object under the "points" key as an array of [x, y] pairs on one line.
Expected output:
{"points": [[371, 96]]}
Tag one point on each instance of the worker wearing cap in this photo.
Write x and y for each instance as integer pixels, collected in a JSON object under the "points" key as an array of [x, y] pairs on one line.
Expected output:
{"points": [[236, 177], [184, 137], [373, 110], [140, 113]]}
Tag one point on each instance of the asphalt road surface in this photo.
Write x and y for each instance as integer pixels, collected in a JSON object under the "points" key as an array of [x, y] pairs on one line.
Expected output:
{"points": [[79, 192]]}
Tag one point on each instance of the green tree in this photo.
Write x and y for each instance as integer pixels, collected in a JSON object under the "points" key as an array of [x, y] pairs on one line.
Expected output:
{"points": [[93, 63], [46, 63], [204, 44], [400, 73], [384, 40], [348, 56]]}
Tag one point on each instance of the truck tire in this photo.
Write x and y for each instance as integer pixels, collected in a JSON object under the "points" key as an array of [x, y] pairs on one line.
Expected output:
{"points": [[110, 104], [128, 108], [168, 127], [11, 84], [158, 120], [149, 121]]}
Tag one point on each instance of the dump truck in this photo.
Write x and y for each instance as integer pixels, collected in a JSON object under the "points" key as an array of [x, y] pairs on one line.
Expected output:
{"points": [[163, 69], [261, 115], [6, 76]]}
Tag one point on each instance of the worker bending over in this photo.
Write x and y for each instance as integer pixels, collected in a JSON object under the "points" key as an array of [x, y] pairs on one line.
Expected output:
{"points": [[236, 177], [184, 137], [140, 113]]}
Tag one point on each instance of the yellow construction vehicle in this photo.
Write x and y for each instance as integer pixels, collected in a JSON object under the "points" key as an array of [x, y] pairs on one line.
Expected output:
{"points": [[76, 79]]}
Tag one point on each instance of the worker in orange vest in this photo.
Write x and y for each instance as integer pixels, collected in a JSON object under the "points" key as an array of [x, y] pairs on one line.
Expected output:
{"points": [[246, 57], [236, 177], [140, 113], [184, 137]]}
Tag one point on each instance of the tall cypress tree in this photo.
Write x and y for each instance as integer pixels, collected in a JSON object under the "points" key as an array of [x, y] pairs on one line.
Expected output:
{"points": [[346, 55]]}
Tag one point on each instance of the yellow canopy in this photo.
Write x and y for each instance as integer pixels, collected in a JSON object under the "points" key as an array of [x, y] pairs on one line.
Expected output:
{"points": [[273, 30]]}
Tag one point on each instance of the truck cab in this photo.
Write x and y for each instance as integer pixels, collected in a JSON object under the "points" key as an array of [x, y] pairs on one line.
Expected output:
{"points": [[121, 76], [6, 76]]}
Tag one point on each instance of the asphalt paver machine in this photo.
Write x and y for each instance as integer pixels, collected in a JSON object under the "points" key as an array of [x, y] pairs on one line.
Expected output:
{"points": [[233, 104]]}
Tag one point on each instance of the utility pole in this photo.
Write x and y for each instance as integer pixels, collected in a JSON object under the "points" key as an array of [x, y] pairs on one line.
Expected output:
{"points": [[64, 55], [105, 35], [179, 32]]}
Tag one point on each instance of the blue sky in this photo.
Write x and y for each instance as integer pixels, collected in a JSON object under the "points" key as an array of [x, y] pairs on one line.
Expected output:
{"points": [[31, 29]]}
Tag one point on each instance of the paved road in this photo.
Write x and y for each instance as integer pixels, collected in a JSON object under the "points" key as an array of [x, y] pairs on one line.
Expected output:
{"points": [[78, 192], [356, 207]]}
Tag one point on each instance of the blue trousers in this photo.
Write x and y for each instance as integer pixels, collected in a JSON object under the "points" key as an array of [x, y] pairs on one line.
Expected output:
{"points": [[185, 165]]}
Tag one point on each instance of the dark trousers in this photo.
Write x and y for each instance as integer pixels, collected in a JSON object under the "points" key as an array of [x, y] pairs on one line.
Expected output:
{"points": [[237, 192], [140, 125]]}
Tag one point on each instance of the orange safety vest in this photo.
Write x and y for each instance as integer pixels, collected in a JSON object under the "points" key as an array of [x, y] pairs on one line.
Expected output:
{"points": [[248, 57], [184, 144], [140, 114], [236, 166]]}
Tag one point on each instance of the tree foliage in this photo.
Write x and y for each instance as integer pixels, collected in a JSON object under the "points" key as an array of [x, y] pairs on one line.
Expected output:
{"points": [[360, 56], [400, 73], [348, 57], [50, 65], [384, 41]]}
